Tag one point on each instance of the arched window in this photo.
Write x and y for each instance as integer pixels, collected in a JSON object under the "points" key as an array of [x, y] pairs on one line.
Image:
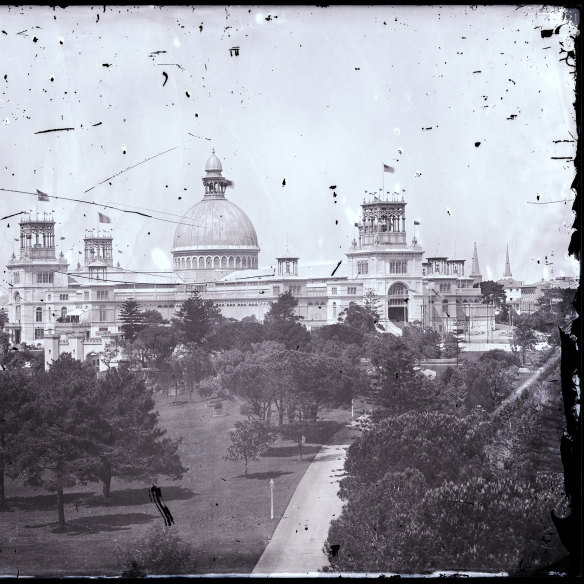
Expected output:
{"points": [[63, 312], [244, 262], [334, 310], [216, 262], [188, 263], [238, 262], [223, 262], [231, 262], [397, 289], [39, 315]]}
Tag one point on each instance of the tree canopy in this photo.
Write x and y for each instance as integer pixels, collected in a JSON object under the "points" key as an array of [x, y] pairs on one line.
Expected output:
{"points": [[283, 310], [493, 293]]}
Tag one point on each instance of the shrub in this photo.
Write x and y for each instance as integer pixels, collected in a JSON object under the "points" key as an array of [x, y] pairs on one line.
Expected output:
{"points": [[160, 551]]}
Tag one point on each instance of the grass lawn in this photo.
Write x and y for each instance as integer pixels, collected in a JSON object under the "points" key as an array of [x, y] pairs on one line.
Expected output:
{"points": [[222, 514]]}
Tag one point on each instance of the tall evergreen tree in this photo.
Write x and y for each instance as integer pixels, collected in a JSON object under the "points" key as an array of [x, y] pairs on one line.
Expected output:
{"points": [[131, 318], [15, 394], [129, 442], [195, 319], [60, 428]]}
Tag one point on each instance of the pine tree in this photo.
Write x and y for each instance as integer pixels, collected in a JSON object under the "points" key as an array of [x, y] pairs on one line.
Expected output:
{"points": [[195, 318], [14, 397], [129, 442], [60, 428], [131, 318]]}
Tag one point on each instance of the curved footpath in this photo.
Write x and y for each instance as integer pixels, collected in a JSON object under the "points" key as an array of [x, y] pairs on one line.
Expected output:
{"points": [[296, 544]]}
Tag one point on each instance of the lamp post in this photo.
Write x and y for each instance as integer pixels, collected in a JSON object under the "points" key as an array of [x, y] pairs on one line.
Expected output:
{"points": [[271, 498]]}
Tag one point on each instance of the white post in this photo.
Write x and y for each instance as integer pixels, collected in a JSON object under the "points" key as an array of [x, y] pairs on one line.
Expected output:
{"points": [[352, 410], [271, 498]]}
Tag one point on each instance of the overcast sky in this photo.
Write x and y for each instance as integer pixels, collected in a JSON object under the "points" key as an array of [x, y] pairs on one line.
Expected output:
{"points": [[468, 105]]}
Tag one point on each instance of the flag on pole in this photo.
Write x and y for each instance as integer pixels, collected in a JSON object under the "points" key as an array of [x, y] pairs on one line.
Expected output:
{"points": [[416, 222], [42, 196], [230, 184], [388, 168], [104, 218]]}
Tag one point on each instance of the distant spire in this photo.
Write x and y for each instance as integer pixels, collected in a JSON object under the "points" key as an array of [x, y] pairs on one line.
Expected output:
{"points": [[475, 263], [507, 273]]}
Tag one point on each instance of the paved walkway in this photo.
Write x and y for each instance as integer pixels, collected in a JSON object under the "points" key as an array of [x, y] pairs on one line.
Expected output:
{"points": [[296, 545]]}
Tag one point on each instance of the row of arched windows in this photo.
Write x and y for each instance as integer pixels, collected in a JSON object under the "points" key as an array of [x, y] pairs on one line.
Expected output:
{"points": [[208, 262], [39, 313]]}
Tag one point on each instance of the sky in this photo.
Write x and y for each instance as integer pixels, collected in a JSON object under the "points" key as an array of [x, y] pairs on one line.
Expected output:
{"points": [[473, 107]]}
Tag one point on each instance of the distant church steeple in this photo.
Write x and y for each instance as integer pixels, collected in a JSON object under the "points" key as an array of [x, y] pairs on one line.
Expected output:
{"points": [[475, 273], [507, 273]]}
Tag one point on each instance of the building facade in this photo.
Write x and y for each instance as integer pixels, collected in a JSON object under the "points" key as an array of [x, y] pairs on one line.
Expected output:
{"points": [[215, 253]]}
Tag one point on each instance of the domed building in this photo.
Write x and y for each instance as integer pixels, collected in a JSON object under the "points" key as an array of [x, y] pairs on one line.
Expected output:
{"points": [[215, 237]]}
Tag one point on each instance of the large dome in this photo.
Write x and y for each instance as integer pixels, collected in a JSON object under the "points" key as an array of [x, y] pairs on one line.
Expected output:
{"points": [[215, 224], [215, 237]]}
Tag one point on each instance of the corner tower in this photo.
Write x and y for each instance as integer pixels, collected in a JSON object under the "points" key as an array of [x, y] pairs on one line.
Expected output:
{"points": [[34, 275], [384, 262]]}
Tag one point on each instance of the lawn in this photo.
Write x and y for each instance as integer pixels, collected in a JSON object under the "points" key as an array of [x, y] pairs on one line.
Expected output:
{"points": [[224, 515]]}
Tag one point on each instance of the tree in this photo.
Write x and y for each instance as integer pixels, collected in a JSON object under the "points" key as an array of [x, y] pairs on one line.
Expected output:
{"points": [[191, 364], [452, 346], [441, 446], [156, 343], [493, 293], [359, 317], [281, 324], [209, 386], [423, 342], [253, 382], [340, 333], [152, 317], [4, 345], [524, 338], [130, 444], [249, 441], [15, 395], [372, 303], [236, 334], [282, 309], [3, 318], [60, 428], [131, 318], [377, 529], [160, 551], [398, 387], [109, 354], [195, 318], [487, 382]]}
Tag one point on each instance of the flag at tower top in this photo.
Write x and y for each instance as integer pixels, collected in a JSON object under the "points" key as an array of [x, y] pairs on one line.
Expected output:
{"points": [[104, 218], [388, 168], [42, 196]]}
